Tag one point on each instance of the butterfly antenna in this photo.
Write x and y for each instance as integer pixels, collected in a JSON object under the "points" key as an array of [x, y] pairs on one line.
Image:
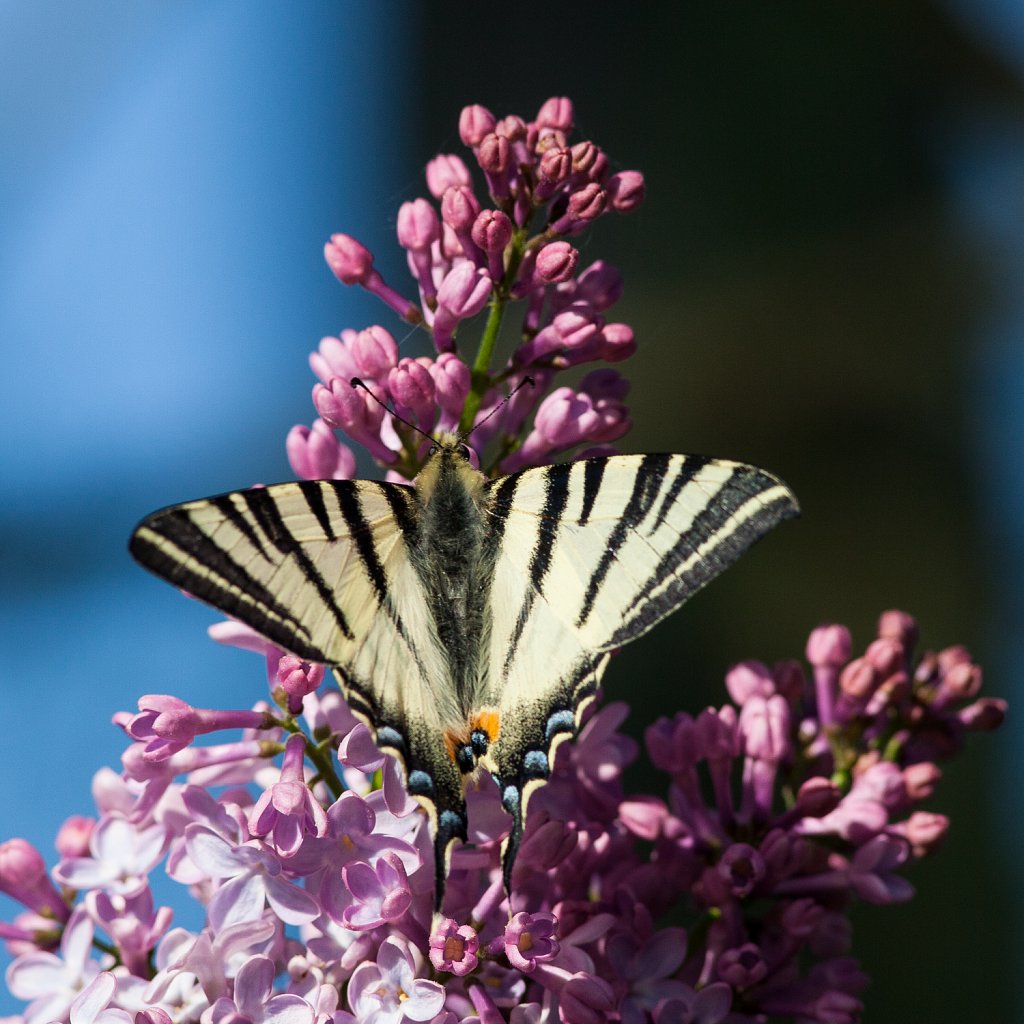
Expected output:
{"points": [[501, 405], [357, 382]]}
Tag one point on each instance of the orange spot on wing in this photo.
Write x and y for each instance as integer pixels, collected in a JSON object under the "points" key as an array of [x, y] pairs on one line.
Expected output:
{"points": [[488, 722], [451, 743]]}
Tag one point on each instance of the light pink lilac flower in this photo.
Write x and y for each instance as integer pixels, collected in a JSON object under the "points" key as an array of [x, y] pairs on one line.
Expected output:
{"points": [[388, 991]]}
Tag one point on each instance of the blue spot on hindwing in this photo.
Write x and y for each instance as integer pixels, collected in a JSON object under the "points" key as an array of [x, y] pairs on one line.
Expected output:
{"points": [[510, 800], [450, 823], [535, 765], [560, 721], [420, 784], [389, 737]]}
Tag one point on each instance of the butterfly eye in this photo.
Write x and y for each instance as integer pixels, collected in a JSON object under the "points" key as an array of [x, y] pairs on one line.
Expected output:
{"points": [[464, 451], [433, 450]]}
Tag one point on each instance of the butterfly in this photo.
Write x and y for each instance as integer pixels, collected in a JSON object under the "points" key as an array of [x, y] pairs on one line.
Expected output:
{"points": [[468, 621]]}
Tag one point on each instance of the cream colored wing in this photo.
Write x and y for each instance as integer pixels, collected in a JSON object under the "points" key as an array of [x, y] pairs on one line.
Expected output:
{"points": [[590, 555], [322, 569]]}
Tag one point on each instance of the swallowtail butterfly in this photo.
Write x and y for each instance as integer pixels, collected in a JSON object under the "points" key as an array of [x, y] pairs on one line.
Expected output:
{"points": [[468, 621]]}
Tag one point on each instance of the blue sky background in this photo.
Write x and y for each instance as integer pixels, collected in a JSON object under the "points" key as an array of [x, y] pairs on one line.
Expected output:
{"points": [[168, 174]]}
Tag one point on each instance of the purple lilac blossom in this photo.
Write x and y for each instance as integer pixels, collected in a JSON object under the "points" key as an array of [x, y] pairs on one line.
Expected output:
{"points": [[311, 865]]}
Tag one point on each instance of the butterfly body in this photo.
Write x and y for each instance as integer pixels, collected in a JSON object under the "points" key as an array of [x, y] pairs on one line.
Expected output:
{"points": [[468, 621]]}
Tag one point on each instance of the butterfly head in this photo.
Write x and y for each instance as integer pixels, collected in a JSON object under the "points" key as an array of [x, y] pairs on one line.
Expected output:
{"points": [[450, 464]]}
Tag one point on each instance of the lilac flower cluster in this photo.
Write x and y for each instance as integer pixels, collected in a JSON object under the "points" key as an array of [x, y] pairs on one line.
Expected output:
{"points": [[313, 868], [465, 254], [798, 796]]}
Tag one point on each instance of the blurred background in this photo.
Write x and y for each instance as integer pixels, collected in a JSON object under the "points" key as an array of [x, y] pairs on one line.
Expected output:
{"points": [[825, 280]]}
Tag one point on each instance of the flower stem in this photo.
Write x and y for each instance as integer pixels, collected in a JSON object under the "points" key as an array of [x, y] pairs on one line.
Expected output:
{"points": [[481, 378]]}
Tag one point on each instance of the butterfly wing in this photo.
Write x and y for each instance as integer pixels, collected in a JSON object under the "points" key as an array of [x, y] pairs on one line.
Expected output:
{"points": [[323, 569], [590, 555]]}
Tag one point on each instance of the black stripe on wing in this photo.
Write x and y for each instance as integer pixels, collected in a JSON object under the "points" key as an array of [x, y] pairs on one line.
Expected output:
{"points": [[264, 508], [734, 518], [167, 542], [556, 496], [649, 476]]}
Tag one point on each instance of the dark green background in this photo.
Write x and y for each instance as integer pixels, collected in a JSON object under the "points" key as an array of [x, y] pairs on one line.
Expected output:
{"points": [[807, 297]]}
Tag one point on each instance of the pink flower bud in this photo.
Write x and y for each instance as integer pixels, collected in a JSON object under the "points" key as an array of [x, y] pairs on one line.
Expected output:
{"points": [[600, 285], [925, 831], [492, 231], [565, 418], [418, 226], [962, 681], [474, 123], [556, 262], [316, 454], [374, 351], [459, 208], [463, 293], [413, 387], [618, 342], [354, 411], [349, 259], [21, 865], [955, 655], [588, 203], [718, 733], [73, 837], [829, 645], [626, 191], [298, 679], [898, 626], [452, 381], [983, 715], [858, 679], [764, 726], [555, 167], [445, 171], [884, 656], [920, 780], [747, 679], [584, 157], [512, 127], [343, 406], [613, 421], [493, 155], [817, 797], [333, 358], [152, 1015], [672, 743], [557, 113]]}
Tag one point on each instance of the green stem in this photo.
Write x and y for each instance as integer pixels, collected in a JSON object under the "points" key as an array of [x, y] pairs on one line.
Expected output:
{"points": [[106, 947], [319, 754], [481, 379]]}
